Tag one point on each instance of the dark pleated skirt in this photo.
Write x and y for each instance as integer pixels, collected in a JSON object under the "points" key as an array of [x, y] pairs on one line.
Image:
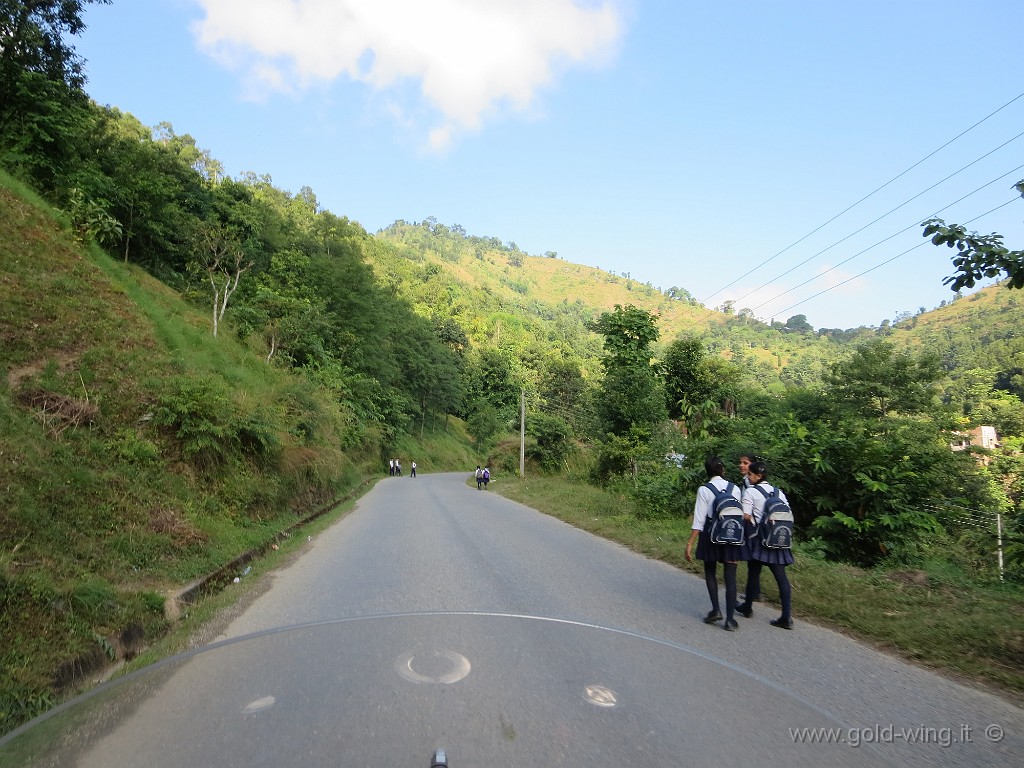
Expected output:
{"points": [[765, 555], [710, 552]]}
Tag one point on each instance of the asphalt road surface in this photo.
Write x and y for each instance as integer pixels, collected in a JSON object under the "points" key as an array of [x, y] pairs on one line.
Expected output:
{"points": [[438, 616]]}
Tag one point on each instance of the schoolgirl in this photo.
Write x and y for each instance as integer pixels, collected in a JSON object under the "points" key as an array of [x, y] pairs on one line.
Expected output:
{"points": [[744, 465], [775, 559], [712, 554]]}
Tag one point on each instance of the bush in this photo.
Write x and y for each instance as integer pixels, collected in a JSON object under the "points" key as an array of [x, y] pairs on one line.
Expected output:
{"points": [[198, 412]]}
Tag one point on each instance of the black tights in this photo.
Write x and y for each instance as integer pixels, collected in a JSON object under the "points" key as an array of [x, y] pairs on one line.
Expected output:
{"points": [[711, 579], [754, 585]]}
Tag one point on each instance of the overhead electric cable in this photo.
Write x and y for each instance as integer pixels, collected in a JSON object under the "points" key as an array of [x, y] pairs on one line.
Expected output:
{"points": [[884, 240], [888, 261], [870, 194], [949, 505], [893, 210]]}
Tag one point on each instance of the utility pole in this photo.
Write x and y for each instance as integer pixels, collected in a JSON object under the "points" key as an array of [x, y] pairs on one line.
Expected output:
{"points": [[522, 432], [999, 540]]}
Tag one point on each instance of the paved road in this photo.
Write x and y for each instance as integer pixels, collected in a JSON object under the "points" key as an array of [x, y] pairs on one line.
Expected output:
{"points": [[456, 662]]}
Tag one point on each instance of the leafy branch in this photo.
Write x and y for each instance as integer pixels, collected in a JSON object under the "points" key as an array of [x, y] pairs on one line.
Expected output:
{"points": [[978, 256]]}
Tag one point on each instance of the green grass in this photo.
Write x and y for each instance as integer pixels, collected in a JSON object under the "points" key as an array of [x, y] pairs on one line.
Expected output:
{"points": [[937, 616]]}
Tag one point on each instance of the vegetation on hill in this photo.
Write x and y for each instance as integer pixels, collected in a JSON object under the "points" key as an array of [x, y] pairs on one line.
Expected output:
{"points": [[192, 361]]}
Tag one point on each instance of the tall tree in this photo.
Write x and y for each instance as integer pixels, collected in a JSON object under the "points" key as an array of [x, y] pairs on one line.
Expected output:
{"points": [[220, 257], [631, 395], [878, 380], [42, 105]]}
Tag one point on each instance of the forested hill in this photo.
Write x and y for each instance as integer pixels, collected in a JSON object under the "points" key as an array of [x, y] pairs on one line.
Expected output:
{"points": [[980, 332], [493, 289]]}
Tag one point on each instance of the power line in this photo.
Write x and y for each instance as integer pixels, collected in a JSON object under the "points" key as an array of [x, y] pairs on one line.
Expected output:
{"points": [[883, 240], [870, 194], [950, 505], [889, 261], [893, 210]]}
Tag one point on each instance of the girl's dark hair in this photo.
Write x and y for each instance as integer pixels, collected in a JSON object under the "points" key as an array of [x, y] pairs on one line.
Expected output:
{"points": [[758, 467], [714, 466]]}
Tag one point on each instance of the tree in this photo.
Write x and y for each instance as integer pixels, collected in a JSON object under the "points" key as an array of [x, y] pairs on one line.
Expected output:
{"points": [[483, 424], [798, 324], [492, 378], [43, 110], [222, 260], [34, 37], [877, 380], [631, 395], [552, 435], [978, 256], [693, 379]]}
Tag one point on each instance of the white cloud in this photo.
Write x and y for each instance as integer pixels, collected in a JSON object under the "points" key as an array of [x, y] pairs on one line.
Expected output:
{"points": [[469, 59]]}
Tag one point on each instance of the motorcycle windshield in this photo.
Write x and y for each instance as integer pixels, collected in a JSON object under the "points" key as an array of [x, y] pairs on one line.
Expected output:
{"points": [[488, 689]]}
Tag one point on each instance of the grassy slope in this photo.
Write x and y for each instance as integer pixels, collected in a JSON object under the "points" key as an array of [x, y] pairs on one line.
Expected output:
{"points": [[104, 511]]}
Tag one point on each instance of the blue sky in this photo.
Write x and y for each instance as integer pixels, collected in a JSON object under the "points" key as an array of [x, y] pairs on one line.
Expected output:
{"points": [[707, 146]]}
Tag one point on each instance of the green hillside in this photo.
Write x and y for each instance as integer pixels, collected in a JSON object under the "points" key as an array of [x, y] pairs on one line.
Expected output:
{"points": [[137, 452], [491, 288]]}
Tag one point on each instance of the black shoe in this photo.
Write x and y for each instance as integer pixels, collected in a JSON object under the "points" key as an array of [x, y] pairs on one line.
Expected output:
{"points": [[746, 610], [781, 623], [731, 625], [712, 617]]}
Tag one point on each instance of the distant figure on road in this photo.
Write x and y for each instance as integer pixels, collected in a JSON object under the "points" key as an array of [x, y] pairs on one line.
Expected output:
{"points": [[479, 477], [412, 470], [391, 467], [487, 477]]}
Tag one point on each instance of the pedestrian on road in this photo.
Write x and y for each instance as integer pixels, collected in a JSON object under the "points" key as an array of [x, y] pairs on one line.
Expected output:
{"points": [[776, 559], [412, 470], [391, 467], [712, 554], [479, 477]]}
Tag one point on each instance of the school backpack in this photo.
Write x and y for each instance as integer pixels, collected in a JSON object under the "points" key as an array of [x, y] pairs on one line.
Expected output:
{"points": [[725, 525], [776, 527]]}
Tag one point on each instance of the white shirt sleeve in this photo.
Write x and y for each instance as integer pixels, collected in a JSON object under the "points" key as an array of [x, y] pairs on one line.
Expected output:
{"points": [[701, 508]]}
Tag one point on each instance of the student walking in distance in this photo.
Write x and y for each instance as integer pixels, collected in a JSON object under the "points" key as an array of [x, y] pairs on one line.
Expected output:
{"points": [[479, 477], [776, 559], [412, 469], [712, 554]]}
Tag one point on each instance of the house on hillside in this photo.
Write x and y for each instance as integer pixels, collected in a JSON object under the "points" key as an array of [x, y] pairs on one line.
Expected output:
{"points": [[979, 437]]}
